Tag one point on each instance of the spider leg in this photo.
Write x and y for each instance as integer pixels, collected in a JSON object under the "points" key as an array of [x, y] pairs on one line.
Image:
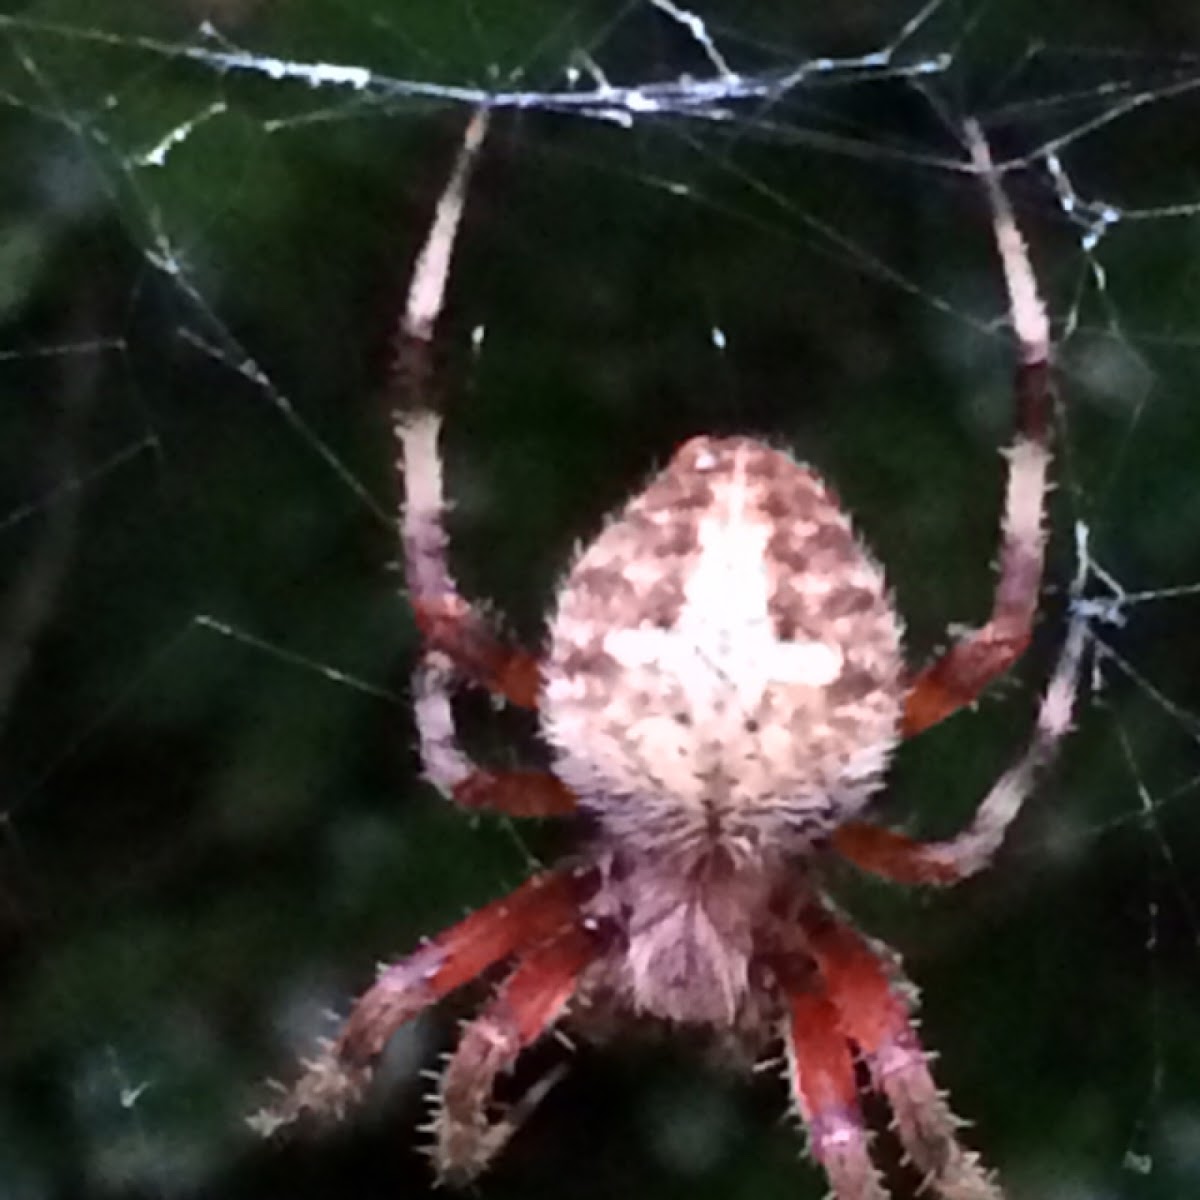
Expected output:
{"points": [[873, 1015], [518, 793], [448, 622], [821, 1077], [528, 1003], [957, 677], [906, 860], [458, 640], [540, 909]]}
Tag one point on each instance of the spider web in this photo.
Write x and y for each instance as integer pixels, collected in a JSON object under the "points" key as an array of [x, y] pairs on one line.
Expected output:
{"points": [[715, 217]]}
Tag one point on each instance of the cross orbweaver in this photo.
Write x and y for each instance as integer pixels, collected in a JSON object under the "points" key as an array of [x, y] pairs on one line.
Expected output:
{"points": [[722, 689]]}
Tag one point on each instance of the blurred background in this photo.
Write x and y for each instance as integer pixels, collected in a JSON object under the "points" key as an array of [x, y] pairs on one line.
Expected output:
{"points": [[212, 826]]}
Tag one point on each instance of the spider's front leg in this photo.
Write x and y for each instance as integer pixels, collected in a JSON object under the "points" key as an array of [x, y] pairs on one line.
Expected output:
{"points": [[821, 1077], [541, 910], [957, 677], [873, 1015], [468, 1136]]}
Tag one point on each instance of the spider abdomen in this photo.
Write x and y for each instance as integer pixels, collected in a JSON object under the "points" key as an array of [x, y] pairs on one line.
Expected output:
{"points": [[724, 661]]}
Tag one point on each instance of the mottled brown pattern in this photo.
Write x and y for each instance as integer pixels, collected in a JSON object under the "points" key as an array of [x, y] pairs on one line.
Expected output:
{"points": [[851, 601], [641, 701]]}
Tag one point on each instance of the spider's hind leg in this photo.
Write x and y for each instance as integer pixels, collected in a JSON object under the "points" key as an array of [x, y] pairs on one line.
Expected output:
{"points": [[448, 622], [458, 640], [514, 792], [956, 678]]}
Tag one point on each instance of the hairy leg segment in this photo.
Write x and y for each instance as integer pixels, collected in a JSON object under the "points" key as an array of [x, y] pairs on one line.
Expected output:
{"points": [[448, 622], [467, 1134], [824, 1091], [540, 911], [458, 641], [872, 1013], [904, 859], [957, 677]]}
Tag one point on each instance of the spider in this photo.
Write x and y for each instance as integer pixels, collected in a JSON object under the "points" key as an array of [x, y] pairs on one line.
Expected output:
{"points": [[722, 689]]}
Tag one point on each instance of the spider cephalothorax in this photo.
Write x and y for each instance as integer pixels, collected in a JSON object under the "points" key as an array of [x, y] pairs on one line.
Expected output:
{"points": [[722, 689]]}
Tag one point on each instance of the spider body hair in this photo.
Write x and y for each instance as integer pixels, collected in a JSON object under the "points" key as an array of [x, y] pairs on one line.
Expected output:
{"points": [[723, 686]]}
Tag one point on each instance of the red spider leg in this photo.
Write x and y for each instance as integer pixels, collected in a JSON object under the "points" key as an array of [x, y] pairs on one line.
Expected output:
{"points": [[526, 1006], [957, 677], [871, 1012], [457, 638], [518, 793], [906, 860], [821, 1076], [448, 622], [539, 909]]}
